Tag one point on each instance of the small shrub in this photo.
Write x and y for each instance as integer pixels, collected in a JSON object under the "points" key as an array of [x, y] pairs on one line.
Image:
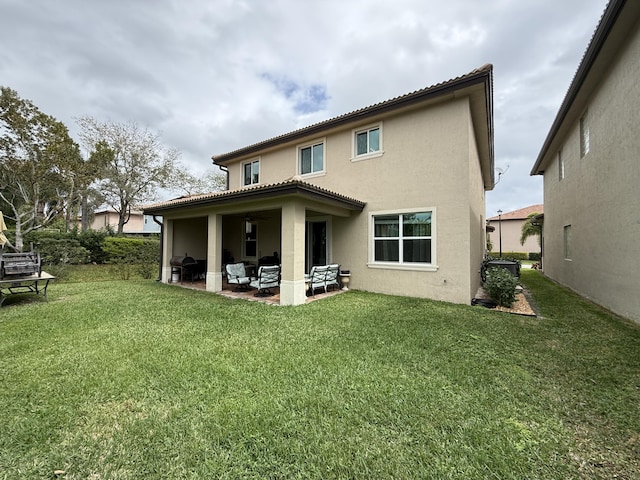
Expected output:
{"points": [[535, 256], [501, 286]]}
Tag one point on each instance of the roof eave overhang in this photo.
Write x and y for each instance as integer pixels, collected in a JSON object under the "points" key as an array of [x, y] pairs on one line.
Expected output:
{"points": [[582, 76], [484, 136], [299, 189]]}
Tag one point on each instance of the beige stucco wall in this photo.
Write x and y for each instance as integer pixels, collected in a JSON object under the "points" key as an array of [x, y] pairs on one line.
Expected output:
{"points": [[511, 232], [190, 237], [429, 162], [104, 219], [600, 195]]}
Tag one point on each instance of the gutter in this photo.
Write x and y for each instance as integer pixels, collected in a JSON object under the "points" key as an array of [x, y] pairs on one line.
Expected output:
{"points": [[155, 219], [225, 170]]}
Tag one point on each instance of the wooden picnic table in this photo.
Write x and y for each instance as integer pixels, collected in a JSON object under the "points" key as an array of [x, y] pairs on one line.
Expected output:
{"points": [[33, 283]]}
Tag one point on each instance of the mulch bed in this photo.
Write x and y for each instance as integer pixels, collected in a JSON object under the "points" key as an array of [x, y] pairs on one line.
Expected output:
{"points": [[520, 307]]}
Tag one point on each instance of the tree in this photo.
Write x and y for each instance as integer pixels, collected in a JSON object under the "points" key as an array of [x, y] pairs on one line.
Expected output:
{"points": [[188, 184], [37, 163], [135, 166], [531, 227]]}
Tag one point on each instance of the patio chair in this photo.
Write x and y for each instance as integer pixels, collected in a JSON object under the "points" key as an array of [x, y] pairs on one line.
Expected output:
{"points": [[268, 277], [237, 275], [332, 277], [323, 276], [317, 277]]}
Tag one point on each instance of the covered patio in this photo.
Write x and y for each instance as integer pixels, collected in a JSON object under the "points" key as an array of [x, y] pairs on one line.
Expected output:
{"points": [[291, 220], [229, 291]]}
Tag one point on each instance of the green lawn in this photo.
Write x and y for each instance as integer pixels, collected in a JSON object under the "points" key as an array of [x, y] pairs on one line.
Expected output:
{"points": [[136, 379]]}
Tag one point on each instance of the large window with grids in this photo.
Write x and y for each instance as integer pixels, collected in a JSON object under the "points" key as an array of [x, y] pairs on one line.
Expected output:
{"points": [[403, 238]]}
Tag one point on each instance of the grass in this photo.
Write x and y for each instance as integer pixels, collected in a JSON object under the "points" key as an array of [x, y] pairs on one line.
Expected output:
{"points": [[135, 379]]}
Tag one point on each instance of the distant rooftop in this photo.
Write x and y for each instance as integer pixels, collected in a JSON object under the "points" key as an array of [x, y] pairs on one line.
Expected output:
{"points": [[521, 214]]}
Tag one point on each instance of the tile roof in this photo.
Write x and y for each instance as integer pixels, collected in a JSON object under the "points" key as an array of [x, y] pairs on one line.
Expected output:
{"points": [[294, 184], [477, 75], [520, 214]]}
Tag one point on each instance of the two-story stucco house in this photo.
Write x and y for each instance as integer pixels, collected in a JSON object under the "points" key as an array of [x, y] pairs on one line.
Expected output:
{"points": [[591, 166], [394, 192]]}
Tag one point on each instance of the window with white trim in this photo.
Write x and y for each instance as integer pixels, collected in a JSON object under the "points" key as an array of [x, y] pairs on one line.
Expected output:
{"points": [[311, 158], [403, 238], [367, 141], [251, 172], [250, 240]]}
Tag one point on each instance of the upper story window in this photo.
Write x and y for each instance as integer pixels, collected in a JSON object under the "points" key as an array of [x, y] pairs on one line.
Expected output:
{"points": [[251, 172], [560, 165], [584, 135], [367, 141], [403, 238], [311, 158]]}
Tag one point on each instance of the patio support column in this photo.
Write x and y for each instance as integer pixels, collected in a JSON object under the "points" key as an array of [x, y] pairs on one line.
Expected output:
{"points": [[167, 250], [293, 248], [214, 253]]}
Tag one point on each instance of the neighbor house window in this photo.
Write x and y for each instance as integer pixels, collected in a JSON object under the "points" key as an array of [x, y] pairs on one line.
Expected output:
{"points": [[403, 238], [584, 135], [560, 165], [311, 158], [367, 141], [250, 239], [251, 172], [567, 242]]}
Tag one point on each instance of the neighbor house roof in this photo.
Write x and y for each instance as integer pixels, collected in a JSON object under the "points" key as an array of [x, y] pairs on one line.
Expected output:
{"points": [[482, 115], [610, 33], [292, 186], [520, 214]]}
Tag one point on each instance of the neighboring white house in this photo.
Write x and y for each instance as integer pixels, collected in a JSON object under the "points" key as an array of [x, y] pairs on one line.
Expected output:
{"points": [[591, 166], [394, 192]]}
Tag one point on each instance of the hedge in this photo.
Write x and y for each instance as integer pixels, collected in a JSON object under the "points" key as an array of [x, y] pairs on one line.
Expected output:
{"points": [[129, 253]]}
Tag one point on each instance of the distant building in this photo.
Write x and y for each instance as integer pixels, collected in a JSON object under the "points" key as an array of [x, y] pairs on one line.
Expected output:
{"points": [[138, 223], [512, 231]]}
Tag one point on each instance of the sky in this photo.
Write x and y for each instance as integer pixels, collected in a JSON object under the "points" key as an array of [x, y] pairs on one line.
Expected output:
{"points": [[211, 76]]}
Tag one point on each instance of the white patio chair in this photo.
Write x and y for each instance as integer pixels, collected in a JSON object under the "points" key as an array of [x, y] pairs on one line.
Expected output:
{"points": [[237, 275], [268, 277]]}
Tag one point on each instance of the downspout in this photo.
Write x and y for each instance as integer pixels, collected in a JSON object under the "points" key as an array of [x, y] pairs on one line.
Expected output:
{"points": [[225, 170], [155, 219]]}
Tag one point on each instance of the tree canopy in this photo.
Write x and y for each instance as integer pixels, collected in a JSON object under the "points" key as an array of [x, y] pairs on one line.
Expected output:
{"points": [[135, 165], [38, 164], [43, 176], [531, 228]]}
